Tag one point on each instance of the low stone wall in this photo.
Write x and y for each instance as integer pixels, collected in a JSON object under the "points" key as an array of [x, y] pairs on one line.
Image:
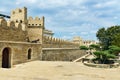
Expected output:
{"points": [[60, 54], [115, 65]]}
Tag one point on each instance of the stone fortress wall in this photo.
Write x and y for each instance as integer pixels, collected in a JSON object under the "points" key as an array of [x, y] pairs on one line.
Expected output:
{"points": [[23, 40], [62, 54], [11, 31], [19, 28], [14, 48], [51, 42], [16, 44], [12, 53]]}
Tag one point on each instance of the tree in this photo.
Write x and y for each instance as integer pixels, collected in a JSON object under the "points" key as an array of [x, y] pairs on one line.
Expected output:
{"points": [[94, 46], [102, 37], [116, 40], [83, 48], [114, 50], [103, 57], [109, 36]]}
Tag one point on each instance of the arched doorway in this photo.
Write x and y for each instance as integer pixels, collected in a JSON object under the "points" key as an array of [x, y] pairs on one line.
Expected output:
{"points": [[29, 53], [6, 58]]}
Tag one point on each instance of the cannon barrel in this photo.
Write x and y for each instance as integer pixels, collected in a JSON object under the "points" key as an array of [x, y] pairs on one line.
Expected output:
{"points": [[4, 16]]}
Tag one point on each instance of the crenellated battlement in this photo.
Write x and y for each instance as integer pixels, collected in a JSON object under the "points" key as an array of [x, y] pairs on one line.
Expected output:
{"points": [[36, 22], [12, 25], [18, 10], [36, 18], [12, 31], [49, 42], [3, 22]]}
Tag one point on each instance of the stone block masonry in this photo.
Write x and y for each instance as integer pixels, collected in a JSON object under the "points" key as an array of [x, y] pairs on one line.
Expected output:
{"points": [[60, 54], [12, 53], [22, 40]]}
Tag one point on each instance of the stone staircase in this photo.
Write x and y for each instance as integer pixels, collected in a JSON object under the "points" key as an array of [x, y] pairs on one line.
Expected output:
{"points": [[80, 59]]}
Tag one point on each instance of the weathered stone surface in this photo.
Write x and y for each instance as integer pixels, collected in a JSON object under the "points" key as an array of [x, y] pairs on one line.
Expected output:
{"points": [[62, 54], [19, 52], [21, 40], [35, 33], [11, 34]]}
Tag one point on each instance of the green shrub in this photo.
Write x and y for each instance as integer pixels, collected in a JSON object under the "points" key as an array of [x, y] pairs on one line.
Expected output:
{"points": [[104, 56], [83, 48]]}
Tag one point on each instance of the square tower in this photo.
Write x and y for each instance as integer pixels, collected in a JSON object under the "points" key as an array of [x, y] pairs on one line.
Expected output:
{"points": [[35, 28], [19, 15]]}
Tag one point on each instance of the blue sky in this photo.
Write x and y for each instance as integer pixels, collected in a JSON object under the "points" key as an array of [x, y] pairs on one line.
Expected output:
{"points": [[68, 18]]}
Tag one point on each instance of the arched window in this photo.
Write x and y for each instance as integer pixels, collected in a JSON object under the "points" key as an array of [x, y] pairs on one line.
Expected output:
{"points": [[29, 53]]}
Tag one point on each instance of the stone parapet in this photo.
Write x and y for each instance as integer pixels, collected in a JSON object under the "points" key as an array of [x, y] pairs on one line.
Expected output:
{"points": [[51, 42]]}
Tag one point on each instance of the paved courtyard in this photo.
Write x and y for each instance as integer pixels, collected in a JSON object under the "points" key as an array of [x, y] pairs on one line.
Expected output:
{"points": [[46, 70]]}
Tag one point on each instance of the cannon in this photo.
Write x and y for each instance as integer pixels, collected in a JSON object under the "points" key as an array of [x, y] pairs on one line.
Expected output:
{"points": [[35, 41], [6, 16]]}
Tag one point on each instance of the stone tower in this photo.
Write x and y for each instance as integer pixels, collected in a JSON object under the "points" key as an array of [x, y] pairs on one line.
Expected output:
{"points": [[78, 40], [19, 15], [35, 28]]}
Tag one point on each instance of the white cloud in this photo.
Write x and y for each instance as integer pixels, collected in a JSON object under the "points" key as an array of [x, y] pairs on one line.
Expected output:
{"points": [[106, 4], [17, 2], [71, 16], [47, 4], [59, 3], [3, 9], [93, 31], [66, 37], [84, 33], [29, 2], [115, 17], [73, 33]]}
